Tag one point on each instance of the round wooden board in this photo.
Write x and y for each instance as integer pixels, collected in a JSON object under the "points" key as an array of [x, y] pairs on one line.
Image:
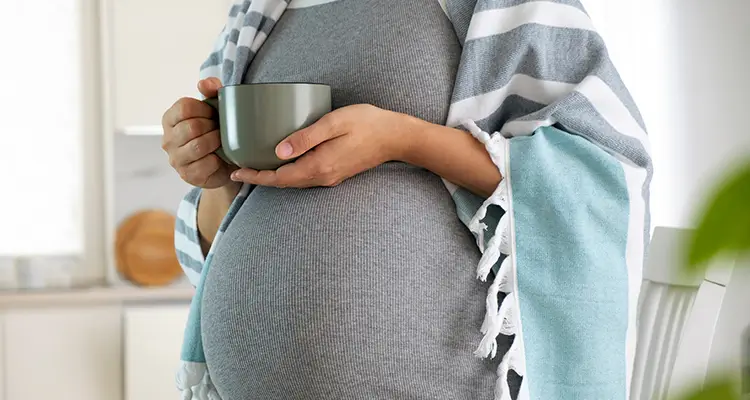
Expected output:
{"points": [[144, 249]]}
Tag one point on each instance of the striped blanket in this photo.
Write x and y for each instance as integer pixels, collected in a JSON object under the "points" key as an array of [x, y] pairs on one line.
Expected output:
{"points": [[567, 238]]}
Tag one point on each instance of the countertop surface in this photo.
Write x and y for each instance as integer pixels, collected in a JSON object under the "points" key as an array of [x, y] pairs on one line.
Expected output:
{"points": [[94, 296]]}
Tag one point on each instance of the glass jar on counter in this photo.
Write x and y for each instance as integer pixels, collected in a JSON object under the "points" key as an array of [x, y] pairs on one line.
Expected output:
{"points": [[46, 272], [8, 273]]}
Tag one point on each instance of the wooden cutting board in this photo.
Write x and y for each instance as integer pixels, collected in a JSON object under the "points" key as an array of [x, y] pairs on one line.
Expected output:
{"points": [[144, 249]]}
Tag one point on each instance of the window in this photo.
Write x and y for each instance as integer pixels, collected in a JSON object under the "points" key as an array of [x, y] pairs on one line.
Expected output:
{"points": [[42, 123]]}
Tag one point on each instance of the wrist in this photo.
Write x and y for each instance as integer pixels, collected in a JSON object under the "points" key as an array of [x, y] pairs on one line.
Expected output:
{"points": [[407, 137], [212, 207], [214, 204], [225, 193]]}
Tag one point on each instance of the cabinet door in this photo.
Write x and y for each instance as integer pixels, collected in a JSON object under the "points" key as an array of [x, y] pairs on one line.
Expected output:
{"points": [[2, 356], [153, 339], [155, 50], [63, 354]]}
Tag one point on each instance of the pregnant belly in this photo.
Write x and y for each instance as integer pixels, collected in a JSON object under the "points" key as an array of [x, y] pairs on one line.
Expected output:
{"points": [[365, 289]]}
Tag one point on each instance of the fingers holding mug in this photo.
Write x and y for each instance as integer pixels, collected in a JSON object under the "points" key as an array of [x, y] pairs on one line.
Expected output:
{"points": [[196, 149], [190, 129], [207, 172], [209, 87], [186, 108]]}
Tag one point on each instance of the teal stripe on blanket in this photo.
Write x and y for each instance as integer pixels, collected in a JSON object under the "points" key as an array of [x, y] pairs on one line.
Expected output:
{"points": [[192, 345], [570, 205]]}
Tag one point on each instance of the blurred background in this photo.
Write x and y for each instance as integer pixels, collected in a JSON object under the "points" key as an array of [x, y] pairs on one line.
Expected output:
{"points": [[92, 302]]}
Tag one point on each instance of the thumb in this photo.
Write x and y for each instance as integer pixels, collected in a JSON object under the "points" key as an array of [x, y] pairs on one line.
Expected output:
{"points": [[209, 87], [305, 139]]}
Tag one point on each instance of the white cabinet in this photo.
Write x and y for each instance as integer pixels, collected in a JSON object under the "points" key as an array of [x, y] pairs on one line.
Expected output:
{"points": [[2, 356], [153, 51], [153, 339], [72, 353]]}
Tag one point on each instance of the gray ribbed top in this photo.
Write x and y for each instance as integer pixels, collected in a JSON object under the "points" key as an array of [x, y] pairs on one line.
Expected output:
{"points": [[366, 290]]}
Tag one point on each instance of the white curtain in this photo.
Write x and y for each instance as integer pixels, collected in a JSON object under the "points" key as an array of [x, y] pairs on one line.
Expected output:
{"points": [[41, 125]]}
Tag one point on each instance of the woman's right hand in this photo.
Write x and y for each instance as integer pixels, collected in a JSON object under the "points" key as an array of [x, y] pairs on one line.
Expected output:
{"points": [[191, 136]]}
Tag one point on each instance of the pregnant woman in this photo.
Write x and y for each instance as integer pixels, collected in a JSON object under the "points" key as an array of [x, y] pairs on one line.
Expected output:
{"points": [[349, 273]]}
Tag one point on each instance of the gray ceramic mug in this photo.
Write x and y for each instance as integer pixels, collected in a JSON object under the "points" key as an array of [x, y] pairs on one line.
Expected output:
{"points": [[255, 118]]}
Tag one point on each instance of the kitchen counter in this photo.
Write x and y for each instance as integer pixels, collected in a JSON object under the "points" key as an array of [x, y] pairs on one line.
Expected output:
{"points": [[94, 296]]}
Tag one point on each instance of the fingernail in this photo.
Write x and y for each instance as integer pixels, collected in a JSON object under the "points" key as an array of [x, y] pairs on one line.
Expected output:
{"points": [[284, 150], [235, 176]]}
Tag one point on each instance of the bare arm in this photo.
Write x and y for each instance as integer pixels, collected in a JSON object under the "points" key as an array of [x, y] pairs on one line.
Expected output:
{"points": [[450, 153], [213, 206]]}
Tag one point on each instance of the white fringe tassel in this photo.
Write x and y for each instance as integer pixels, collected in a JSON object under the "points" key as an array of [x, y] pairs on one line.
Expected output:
{"points": [[496, 149], [492, 253], [498, 319], [512, 360], [194, 382], [499, 197]]}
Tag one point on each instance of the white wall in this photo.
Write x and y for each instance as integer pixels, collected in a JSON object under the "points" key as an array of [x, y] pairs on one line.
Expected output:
{"points": [[686, 63]]}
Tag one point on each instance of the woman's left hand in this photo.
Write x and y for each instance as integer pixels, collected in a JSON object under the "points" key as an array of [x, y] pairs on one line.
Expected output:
{"points": [[343, 143]]}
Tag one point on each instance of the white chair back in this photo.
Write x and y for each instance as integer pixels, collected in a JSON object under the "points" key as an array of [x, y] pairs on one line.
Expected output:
{"points": [[677, 317]]}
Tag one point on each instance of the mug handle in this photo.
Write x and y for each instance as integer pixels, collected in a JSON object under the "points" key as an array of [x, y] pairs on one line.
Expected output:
{"points": [[214, 102]]}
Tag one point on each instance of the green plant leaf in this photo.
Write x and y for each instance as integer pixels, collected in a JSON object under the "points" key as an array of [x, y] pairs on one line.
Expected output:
{"points": [[725, 223], [715, 389]]}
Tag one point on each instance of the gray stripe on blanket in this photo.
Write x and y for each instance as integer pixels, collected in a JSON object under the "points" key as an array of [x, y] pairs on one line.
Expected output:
{"points": [[212, 60], [577, 115], [227, 69], [513, 108], [193, 195], [239, 8], [181, 227], [244, 55], [258, 21], [217, 56], [498, 4], [189, 262], [253, 19], [460, 13], [533, 50]]}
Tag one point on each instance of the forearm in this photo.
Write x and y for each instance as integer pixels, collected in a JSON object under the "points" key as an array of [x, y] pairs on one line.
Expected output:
{"points": [[450, 153], [213, 206]]}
